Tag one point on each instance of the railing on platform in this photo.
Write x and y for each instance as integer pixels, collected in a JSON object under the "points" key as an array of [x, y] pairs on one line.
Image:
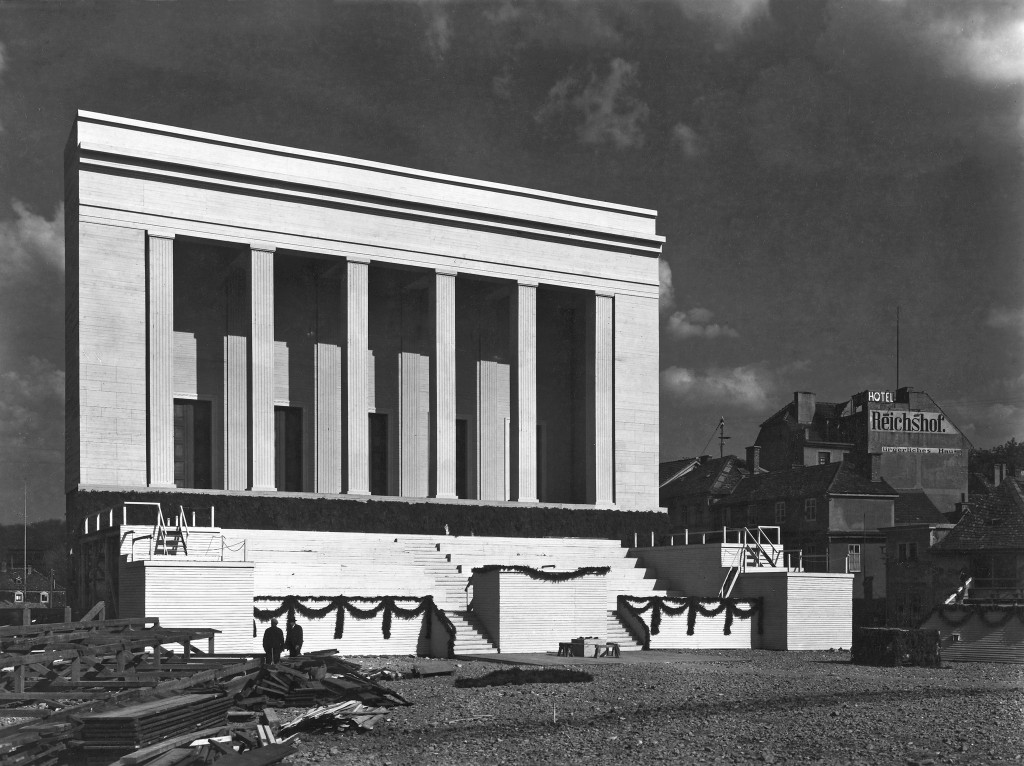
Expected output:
{"points": [[172, 534]]}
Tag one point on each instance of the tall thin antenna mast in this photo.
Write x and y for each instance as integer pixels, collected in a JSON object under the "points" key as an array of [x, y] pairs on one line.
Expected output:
{"points": [[897, 346], [722, 437], [24, 534]]}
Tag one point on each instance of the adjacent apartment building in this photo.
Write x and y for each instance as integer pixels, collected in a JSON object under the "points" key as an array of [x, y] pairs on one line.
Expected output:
{"points": [[920, 448]]}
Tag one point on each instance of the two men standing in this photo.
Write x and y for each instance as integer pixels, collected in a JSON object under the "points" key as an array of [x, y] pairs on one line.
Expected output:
{"points": [[274, 640]]}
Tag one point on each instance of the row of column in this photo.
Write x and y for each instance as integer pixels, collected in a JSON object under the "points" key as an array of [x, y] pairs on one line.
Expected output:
{"points": [[249, 382]]}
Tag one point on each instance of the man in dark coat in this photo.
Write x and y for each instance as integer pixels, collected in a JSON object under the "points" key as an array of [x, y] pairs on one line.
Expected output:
{"points": [[293, 640], [273, 642]]}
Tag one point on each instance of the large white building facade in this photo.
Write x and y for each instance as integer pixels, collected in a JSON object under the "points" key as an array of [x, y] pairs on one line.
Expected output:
{"points": [[250, 318]]}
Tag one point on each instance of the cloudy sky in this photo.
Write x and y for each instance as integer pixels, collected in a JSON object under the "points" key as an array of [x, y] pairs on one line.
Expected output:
{"points": [[814, 163]]}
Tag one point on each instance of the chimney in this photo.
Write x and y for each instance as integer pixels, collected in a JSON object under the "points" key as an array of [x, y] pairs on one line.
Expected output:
{"points": [[998, 474], [803, 403], [753, 459], [875, 467]]}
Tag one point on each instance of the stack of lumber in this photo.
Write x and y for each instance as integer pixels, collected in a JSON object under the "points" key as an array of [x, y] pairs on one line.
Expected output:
{"points": [[113, 733], [35, 745], [308, 681], [351, 714]]}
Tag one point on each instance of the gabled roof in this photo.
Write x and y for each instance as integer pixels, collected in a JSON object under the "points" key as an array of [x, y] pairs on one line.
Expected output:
{"points": [[913, 506], [13, 579], [807, 481], [706, 475], [825, 413], [991, 522], [822, 411], [672, 469]]}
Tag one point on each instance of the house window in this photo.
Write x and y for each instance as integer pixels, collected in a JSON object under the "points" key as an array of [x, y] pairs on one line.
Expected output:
{"points": [[906, 552], [810, 509], [19, 597], [853, 557], [824, 458], [780, 511], [915, 607], [44, 597]]}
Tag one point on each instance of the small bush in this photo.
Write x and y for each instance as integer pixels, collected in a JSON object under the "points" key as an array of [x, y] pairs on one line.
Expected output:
{"points": [[519, 676], [895, 647]]}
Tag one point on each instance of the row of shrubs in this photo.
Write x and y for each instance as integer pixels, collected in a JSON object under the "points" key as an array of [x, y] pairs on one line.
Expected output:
{"points": [[387, 515]]}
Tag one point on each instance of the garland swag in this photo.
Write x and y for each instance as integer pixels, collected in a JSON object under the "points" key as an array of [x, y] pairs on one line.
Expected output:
{"points": [[540, 574], [692, 605], [955, 615], [346, 605]]}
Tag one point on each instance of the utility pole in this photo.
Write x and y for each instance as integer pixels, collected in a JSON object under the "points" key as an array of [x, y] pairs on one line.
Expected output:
{"points": [[897, 347], [24, 533], [722, 437]]}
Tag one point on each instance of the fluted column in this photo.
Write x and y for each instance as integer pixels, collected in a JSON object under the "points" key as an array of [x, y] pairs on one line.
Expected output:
{"points": [[600, 389], [328, 383], [160, 357], [525, 403], [357, 377], [236, 378], [261, 367], [442, 384]]}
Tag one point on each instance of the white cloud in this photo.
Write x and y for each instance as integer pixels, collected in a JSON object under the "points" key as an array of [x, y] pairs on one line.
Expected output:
{"points": [[30, 241], [611, 111], [439, 30], [981, 43], [666, 292], [696, 323], [749, 386], [1005, 318], [689, 140], [728, 18]]}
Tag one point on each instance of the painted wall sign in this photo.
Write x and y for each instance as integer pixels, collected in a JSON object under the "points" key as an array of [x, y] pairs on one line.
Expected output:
{"points": [[893, 421], [924, 450], [882, 397]]}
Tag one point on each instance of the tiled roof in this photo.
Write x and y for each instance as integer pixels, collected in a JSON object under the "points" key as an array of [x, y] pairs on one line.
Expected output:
{"points": [[712, 475], [822, 411], [12, 578], [670, 468], [992, 522], [913, 506], [807, 481]]}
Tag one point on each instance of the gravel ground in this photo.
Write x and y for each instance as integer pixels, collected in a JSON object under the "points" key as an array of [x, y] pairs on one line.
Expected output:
{"points": [[730, 707]]}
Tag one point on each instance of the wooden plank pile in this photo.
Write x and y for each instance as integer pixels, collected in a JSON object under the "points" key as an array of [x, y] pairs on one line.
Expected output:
{"points": [[53, 676], [314, 680], [113, 733], [112, 690]]}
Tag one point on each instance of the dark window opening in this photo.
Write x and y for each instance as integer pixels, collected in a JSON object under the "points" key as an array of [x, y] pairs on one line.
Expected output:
{"points": [[378, 453], [461, 458], [288, 448], [824, 458], [193, 437]]}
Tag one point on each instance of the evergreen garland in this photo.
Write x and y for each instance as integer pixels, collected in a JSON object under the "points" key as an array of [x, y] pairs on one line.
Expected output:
{"points": [[540, 574], [693, 605], [956, 615], [343, 605]]}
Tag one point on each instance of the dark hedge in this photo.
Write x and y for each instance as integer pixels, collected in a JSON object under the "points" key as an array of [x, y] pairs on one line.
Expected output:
{"points": [[896, 646], [387, 515]]}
